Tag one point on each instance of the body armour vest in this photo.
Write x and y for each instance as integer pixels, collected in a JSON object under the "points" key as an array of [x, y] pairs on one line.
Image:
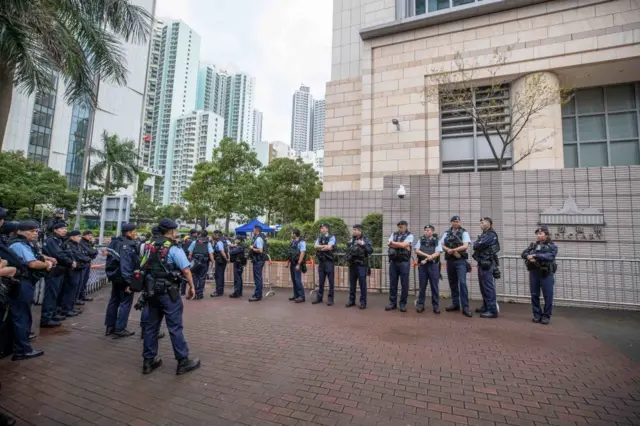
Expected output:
{"points": [[216, 254], [325, 256], [201, 250], [355, 253], [400, 254], [294, 252], [428, 246], [156, 258], [259, 257], [454, 240]]}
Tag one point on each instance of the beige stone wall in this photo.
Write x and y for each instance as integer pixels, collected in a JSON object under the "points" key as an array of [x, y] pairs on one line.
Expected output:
{"points": [[569, 38]]}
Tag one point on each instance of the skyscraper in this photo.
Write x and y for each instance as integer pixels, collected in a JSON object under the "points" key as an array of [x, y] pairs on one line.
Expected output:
{"points": [[147, 143], [196, 135], [239, 107], [318, 125], [177, 86], [302, 120], [257, 127], [212, 89]]}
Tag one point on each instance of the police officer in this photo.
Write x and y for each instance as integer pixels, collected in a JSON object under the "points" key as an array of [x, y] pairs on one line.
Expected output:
{"points": [[193, 235], [297, 252], [144, 312], [540, 258], [201, 252], [357, 254], [485, 249], [7, 232], [325, 247], [399, 266], [221, 257], [455, 243], [54, 282], [428, 249], [75, 274], [90, 250], [238, 257], [22, 299], [165, 260], [258, 256], [122, 260]]}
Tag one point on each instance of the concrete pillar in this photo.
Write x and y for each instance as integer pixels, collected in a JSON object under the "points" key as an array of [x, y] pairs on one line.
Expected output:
{"points": [[545, 126]]}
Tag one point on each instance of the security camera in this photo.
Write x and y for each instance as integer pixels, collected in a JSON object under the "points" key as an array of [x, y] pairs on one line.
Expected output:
{"points": [[401, 192], [396, 123]]}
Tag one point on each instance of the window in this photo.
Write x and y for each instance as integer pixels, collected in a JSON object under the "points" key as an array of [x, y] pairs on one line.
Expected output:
{"points": [[600, 127], [42, 122], [411, 8], [77, 138], [463, 147]]}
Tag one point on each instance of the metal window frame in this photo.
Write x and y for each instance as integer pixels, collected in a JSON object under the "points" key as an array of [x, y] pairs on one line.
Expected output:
{"points": [[407, 8], [575, 116]]}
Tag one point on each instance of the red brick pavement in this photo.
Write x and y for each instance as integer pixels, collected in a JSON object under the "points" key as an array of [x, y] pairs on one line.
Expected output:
{"points": [[280, 363]]}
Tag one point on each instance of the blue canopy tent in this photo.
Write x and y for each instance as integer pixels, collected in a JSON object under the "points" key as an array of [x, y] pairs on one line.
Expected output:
{"points": [[248, 228]]}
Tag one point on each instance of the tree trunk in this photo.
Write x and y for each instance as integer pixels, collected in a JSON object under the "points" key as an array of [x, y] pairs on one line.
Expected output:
{"points": [[226, 223], [6, 95], [107, 181]]}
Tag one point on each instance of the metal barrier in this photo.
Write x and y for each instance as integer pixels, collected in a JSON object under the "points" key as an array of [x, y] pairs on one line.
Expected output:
{"points": [[247, 276]]}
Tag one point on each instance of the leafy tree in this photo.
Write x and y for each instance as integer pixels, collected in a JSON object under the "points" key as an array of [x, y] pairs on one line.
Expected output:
{"points": [[372, 228], [118, 162], [92, 201], [337, 227], [26, 184], [227, 185], [80, 39], [171, 211], [144, 209], [289, 190]]}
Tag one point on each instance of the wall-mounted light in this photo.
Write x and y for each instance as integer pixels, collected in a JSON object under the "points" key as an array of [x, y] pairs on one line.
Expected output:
{"points": [[396, 123]]}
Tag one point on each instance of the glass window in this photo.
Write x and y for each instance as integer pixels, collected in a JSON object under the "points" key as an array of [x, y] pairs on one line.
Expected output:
{"points": [[42, 121], [607, 132], [422, 7]]}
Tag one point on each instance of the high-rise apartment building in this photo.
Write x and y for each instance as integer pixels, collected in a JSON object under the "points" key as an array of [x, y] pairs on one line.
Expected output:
{"points": [[196, 135], [177, 86], [257, 127], [302, 120], [318, 125], [212, 89], [147, 144], [239, 114]]}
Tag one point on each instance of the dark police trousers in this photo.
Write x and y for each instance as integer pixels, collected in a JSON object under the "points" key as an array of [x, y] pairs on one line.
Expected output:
{"points": [[119, 306], [82, 291], [219, 276], [399, 271], [237, 278], [429, 272], [21, 315], [457, 275], [70, 290], [538, 282], [199, 271], [161, 306], [488, 289], [50, 300], [296, 281], [257, 277], [326, 270], [358, 273]]}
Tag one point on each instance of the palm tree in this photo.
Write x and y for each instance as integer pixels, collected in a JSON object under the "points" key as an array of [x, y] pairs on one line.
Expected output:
{"points": [[79, 39], [117, 162]]}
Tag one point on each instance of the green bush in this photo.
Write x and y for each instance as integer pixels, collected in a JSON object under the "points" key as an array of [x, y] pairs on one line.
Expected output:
{"points": [[372, 228], [279, 251], [307, 231], [337, 227]]}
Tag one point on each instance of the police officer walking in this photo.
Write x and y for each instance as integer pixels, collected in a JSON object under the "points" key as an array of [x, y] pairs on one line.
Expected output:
{"points": [[357, 255], [54, 282], [455, 243], [75, 274], [89, 249], [540, 258], [325, 248], [201, 252], [258, 256], [485, 249], [22, 299], [165, 261], [122, 260], [428, 249], [297, 251], [399, 266], [221, 257]]}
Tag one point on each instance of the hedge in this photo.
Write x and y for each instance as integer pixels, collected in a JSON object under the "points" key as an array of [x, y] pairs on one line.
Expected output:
{"points": [[279, 251]]}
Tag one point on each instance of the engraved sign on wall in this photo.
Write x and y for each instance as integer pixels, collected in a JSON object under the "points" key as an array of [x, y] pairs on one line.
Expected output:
{"points": [[571, 223]]}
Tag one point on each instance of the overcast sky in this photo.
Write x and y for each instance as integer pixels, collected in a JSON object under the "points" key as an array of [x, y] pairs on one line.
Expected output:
{"points": [[282, 43]]}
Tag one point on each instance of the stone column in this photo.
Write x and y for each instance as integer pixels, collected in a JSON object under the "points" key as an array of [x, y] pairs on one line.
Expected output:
{"points": [[545, 126]]}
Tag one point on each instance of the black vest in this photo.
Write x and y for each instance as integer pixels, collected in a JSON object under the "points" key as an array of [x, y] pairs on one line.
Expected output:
{"points": [[13, 260], [216, 254], [454, 240], [428, 246], [294, 252], [355, 253], [201, 249], [259, 257], [325, 256], [157, 265], [398, 254]]}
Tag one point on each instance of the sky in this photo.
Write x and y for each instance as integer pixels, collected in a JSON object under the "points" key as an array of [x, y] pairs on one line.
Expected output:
{"points": [[282, 43]]}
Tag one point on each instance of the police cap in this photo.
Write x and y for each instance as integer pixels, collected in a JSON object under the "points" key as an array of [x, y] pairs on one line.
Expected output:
{"points": [[58, 225], [217, 232], [28, 225], [429, 226], [325, 225], [127, 227], [167, 224], [204, 233], [486, 219], [403, 222], [73, 233], [357, 226], [155, 230], [87, 232], [193, 231], [8, 228], [456, 217], [3, 213], [543, 228]]}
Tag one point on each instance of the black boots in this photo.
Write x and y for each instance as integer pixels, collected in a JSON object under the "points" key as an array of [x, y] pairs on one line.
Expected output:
{"points": [[186, 365]]}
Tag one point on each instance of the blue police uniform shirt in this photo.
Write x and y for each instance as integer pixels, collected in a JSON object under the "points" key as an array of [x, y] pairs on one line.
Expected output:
{"points": [[177, 258], [258, 243], [465, 237], [302, 245], [193, 246], [219, 246], [409, 239], [438, 247], [332, 241], [23, 251]]}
